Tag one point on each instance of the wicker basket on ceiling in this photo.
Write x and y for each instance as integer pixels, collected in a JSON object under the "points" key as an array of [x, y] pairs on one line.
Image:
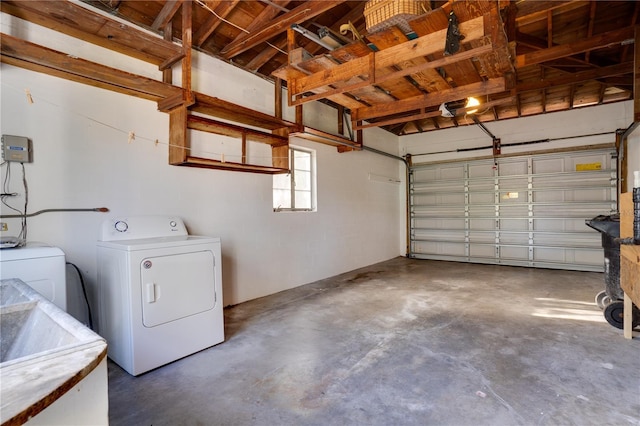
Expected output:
{"points": [[381, 14]]}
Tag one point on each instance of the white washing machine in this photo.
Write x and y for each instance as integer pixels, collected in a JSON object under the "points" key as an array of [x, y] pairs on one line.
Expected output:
{"points": [[39, 265], [160, 291]]}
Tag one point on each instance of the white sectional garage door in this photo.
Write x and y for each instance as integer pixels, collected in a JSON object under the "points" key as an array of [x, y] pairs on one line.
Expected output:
{"points": [[525, 211]]}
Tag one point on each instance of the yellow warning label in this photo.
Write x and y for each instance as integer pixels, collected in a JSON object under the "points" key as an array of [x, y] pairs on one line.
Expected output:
{"points": [[588, 166]]}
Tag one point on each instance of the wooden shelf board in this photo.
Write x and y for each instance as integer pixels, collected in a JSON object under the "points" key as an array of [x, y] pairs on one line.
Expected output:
{"points": [[204, 124], [319, 136], [38, 58], [238, 167], [217, 107]]}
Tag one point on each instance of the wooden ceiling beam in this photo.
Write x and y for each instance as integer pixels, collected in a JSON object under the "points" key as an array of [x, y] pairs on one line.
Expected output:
{"points": [[266, 55], [33, 57], [365, 65], [222, 9], [77, 21], [599, 41], [268, 13], [576, 78], [373, 65], [527, 8], [302, 13], [549, 29], [495, 85], [432, 114], [592, 18], [167, 13]]}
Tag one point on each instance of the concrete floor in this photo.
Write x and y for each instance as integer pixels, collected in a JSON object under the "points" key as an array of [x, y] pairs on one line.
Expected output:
{"points": [[403, 342]]}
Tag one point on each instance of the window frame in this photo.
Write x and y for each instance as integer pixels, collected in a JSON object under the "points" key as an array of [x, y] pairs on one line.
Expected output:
{"points": [[313, 181]]}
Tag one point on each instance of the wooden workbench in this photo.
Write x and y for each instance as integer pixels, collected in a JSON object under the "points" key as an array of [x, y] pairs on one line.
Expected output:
{"points": [[629, 264]]}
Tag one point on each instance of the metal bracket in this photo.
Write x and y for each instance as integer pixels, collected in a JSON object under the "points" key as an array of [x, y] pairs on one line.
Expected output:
{"points": [[453, 35]]}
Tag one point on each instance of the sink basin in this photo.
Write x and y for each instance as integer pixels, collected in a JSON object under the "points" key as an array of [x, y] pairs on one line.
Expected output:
{"points": [[44, 352], [10, 295], [27, 330], [31, 326]]}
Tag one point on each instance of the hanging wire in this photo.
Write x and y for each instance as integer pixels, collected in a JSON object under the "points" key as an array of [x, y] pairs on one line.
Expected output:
{"points": [[6, 187], [138, 137], [204, 6]]}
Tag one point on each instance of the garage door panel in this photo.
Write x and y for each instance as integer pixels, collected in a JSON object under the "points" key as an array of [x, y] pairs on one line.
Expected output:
{"points": [[528, 210], [482, 224], [514, 253], [513, 167], [548, 165], [514, 224], [478, 251], [480, 169]]}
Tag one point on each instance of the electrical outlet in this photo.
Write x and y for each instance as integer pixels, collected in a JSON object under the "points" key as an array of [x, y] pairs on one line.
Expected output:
{"points": [[4, 226]]}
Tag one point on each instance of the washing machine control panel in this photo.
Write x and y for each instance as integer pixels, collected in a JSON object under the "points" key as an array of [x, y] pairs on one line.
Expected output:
{"points": [[139, 227]]}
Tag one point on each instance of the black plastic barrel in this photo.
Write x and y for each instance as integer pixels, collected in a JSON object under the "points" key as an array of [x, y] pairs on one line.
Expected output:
{"points": [[609, 227]]}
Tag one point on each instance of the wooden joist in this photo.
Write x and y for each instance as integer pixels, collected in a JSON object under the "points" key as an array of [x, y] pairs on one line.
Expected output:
{"points": [[42, 59], [488, 87], [77, 21], [421, 115], [373, 67], [269, 29], [591, 43]]}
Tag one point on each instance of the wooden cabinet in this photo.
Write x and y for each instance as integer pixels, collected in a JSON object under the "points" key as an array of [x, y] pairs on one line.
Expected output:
{"points": [[629, 263]]}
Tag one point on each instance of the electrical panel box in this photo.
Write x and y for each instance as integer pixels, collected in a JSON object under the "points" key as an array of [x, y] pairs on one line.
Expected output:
{"points": [[16, 148]]}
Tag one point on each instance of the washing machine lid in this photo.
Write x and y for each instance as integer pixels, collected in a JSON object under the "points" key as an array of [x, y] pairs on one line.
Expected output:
{"points": [[158, 242], [32, 250]]}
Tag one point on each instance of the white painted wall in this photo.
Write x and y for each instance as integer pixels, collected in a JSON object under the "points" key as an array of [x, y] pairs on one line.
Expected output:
{"points": [[83, 158], [599, 121]]}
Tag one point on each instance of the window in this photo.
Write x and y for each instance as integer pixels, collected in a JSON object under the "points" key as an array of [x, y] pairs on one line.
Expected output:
{"points": [[296, 191]]}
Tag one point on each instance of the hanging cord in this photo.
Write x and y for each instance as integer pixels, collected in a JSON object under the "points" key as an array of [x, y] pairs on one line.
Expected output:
{"points": [[6, 188], [26, 203], [84, 292]]}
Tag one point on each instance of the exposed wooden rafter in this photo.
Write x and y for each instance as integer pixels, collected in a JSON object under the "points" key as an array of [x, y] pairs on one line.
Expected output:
{"points": [[556, 52], [167, 13], [213, 21], [567, 53], [300, 14], [77, 21]]}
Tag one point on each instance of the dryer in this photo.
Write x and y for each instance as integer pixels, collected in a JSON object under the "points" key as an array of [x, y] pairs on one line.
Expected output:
{"points": [[160, 291]]}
